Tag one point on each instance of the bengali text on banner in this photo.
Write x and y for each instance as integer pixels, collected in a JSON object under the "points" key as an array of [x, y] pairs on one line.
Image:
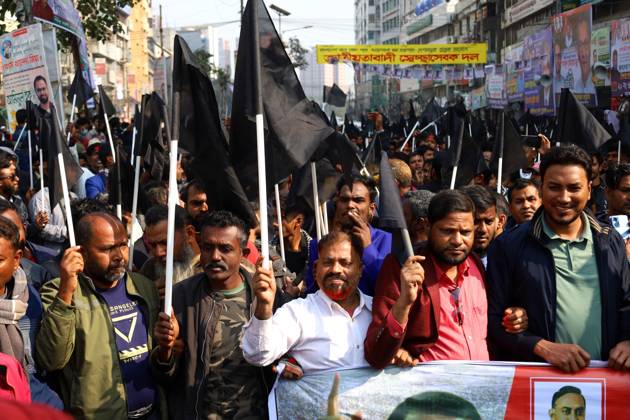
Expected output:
{"points": [[404, 54]]}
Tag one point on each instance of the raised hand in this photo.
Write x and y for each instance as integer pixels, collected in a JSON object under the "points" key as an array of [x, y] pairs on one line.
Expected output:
{"points": [[166, 331], [69, 268], [265, 291]]}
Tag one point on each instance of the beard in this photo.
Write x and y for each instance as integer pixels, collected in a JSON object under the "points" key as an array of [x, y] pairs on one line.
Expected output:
{"points": [[182, 269], [441, 256]]}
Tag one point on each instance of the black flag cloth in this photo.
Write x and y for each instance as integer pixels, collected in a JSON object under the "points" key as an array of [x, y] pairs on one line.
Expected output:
{"points": [[333, 120], [294, 125], [81, 89], [431, 112], [510, 148], [54, 144], [201, 135], [151, 118], [464, 154], [390, 211], [105, 104], [577, 125], [335, 96]]}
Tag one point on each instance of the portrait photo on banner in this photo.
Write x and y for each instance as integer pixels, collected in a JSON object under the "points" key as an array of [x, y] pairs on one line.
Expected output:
{"points": [[559, 398]]}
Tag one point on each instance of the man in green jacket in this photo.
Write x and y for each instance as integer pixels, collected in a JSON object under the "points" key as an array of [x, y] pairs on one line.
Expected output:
{"points": [[96, 327]]}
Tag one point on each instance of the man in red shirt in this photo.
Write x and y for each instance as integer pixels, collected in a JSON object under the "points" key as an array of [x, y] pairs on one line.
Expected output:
{"points": [[433, 307]]}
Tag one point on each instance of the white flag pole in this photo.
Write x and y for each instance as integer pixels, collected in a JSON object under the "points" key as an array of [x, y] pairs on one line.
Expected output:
{"points": [[134, 208], [41, 174], [30, 158], [17, 142], [279, 217], [453, 178], [407, 242], [325, 217], [260, 144], [318, 221], [64, 183], [109, 135], [172, 202], [133, 140], [501, 147], [74, 101], [409, 135]]}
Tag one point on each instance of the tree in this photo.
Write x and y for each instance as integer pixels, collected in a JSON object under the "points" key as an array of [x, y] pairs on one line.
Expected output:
{"points": [[203, 59], [100, 18], [297, 53]]}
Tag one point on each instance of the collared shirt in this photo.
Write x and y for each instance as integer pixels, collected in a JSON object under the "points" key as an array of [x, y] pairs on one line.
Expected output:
{"points": [[316, 331], [463, 316], [578, 297]]}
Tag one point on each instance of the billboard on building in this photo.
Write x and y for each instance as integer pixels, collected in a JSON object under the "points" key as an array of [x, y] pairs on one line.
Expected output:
{"points": [[620, 57], [24, 67], [538, 62], [572, 54]]}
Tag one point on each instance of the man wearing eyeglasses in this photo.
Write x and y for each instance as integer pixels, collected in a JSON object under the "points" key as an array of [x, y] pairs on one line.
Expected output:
{"points": [[10, 183], [434, 306]]}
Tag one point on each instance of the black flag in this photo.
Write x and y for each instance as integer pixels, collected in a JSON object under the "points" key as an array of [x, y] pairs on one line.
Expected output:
{"points": [[54, 144], [431, 112], [201, 135], [120, 187], [510, 148], [81, 89], [577, 125], [464, 154], [151, 118], [390, 211], [333, 120], [294, 125], [335, 96], [105, 104]]}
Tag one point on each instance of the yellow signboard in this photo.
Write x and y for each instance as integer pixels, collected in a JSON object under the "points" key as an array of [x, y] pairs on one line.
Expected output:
{"points": [[404, 54]]}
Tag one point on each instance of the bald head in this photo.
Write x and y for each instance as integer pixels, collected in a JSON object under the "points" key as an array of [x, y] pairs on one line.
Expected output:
{"points": [[86, 225]]}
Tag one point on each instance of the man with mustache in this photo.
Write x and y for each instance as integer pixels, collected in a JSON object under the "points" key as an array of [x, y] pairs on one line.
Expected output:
{"points": [[568, 271], [486, 219], [354, 208], [211, 379], [618, 189], [96, 330], [185, 249], [432, 306], [325, 330]]}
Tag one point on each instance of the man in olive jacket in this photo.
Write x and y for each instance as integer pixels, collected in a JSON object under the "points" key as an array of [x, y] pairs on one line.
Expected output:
{"points": [[97, 327]]}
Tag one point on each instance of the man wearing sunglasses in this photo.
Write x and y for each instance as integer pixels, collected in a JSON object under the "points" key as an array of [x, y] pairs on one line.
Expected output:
{"points": [[433, 307]]}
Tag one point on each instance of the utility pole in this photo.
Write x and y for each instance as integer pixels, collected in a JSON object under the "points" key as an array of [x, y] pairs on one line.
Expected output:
{"points": [[163, 59]]}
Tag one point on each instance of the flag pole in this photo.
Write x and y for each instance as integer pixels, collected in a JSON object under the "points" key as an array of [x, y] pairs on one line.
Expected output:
{"points": [[134, 208], [64, 185], [453, 177], [318, 221], [17, 142], [501, 146], [41, 173], [172, 202], [30, 158], [407, 241], [409, 135], [119, 181], [260, 142], [279, 217], [109, 135], [74, 101], [425, 128], [618, 152], [133, 140], [325, 216]]}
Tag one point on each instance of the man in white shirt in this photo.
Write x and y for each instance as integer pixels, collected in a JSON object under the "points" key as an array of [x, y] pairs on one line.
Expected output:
{"points": [[325, 330]]}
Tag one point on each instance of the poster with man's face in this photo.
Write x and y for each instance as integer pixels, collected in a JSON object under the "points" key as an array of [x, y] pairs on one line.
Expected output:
{"points": [[572, 54], [620, 57]]}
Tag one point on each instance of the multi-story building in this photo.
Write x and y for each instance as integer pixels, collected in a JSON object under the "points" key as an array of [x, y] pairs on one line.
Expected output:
{"points": [[315, 76], [141, 55]]}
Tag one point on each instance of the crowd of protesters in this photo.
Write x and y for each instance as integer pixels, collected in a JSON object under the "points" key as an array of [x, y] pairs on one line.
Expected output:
{"points": [[538, 272]]}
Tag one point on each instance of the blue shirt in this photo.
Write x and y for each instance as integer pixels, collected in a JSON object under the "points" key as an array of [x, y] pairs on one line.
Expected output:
{"points": [[373, 256], [130, 328]]}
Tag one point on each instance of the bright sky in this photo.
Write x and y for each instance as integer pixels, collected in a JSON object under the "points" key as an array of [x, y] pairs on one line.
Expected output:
{"points": [[332, 20]]}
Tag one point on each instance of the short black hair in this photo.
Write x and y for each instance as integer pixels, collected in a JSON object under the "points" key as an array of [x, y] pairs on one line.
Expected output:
{"points": [[6, 205], [566, 155], [436, 403], [159, 213], [521, 184], [10, 232], [418, 203], [7, 159], [82, 121], [225, 219], [481, 197], [85, 206], [567, 389], [615, 174], [21, 116], [355, 178], [503, 207], [449, 201], [597, 155], [338, 235], [196, 184], [38, 78]]}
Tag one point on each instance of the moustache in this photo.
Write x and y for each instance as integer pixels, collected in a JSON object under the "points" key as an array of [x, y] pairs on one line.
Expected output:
{"points": [[334, 276], [215, 264]]}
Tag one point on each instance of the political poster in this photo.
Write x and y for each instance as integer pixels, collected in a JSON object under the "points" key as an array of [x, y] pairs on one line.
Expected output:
{"points": [[538, 62], [404, 54], [572, 54], [620, 57], [600, 45], [514, 79], [63, 14], [493, 390], [496, 93], [25, 74]]}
